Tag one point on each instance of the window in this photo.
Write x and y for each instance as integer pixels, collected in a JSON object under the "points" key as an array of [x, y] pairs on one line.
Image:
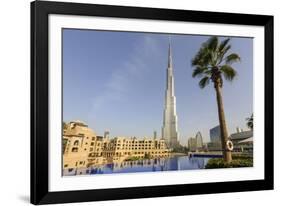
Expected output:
{"points": [[76, 143], [74, 149]]}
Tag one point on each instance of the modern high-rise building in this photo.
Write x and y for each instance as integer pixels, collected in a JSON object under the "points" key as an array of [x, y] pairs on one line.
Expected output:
{"points": [[170, 125], [199, 140], [215, 134], [106, 135], [195, 143], [191, 144], [155, 135]]}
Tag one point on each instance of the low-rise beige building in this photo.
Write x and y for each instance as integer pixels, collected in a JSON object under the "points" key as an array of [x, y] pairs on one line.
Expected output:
{"points": [[123, 148], [82, 147]]}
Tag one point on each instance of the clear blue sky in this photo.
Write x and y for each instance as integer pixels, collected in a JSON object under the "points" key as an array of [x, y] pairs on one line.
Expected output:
{"points": [[116, 81]]}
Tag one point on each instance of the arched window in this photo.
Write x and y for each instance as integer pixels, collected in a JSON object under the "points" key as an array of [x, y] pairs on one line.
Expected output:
{"points": [[76, 143], [74, 149]]}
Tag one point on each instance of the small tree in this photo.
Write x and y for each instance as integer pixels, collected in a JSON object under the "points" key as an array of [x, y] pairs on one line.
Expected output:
{"points": [[250, 122]]}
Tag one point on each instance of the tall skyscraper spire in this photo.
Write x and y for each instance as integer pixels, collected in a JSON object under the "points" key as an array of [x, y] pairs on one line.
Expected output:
{"points": [[170, 61], [170, 125]]}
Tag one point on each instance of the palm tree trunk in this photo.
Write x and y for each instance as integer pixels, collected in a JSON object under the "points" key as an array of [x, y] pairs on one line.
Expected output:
{"points": [[224, 135]]}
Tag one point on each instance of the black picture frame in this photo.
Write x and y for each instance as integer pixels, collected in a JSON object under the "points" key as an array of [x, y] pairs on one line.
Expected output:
{"points": [[39, 102]]}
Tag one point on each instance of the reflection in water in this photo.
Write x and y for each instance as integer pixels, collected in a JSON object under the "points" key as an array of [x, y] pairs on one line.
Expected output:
{"points": [[145, 165]]}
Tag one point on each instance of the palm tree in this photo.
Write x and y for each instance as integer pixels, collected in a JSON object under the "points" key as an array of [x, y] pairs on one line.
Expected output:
{"points": [[250, 122], [213, 63]]}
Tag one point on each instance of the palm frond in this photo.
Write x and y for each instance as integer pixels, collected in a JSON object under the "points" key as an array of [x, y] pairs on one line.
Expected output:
{"points": [[208, 73], [204, 82], [223, 52], [213, 43], [250, 118], [223, 49], [203, 57], [250, 122], [228, 72], [232, 58], [199, 71], [223, 44], [196, 59]]}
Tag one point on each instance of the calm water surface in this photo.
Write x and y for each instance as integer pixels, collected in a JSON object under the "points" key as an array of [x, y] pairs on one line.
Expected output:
{"points": [[147, 165]]}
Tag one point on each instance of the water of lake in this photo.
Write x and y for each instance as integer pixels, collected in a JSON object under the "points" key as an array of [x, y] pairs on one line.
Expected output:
{"points": [[146, 165]]}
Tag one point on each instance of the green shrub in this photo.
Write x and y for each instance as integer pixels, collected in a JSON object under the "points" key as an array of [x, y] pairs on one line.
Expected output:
{"points": [[147, 156], [132, 158], [236, 162], [241, 156]]}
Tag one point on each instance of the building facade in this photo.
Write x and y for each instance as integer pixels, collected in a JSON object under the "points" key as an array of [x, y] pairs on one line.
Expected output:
{"points": [[122, 148], [215, 134], [79, 142], [191, 144], [215, 137], [242, 141], [170, 119], [199, 140], [196, 143]]}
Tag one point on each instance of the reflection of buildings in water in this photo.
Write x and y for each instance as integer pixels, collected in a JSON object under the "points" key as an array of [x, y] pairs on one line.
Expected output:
{"points": [[148, 163], [171, 164], [96, 171], [82, 171], [154, 164], [197, 162], [159, 164], [75, 171]]}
